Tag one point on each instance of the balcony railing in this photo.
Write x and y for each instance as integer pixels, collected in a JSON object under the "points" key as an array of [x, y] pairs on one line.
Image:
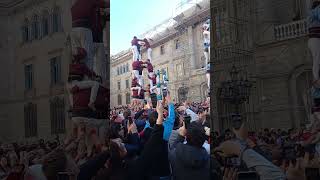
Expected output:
{"points": [[291, 30]]}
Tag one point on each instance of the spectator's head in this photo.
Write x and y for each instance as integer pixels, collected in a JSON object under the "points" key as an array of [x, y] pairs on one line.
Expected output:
{"points": [[196, 135], [116, 131], [54, 163], [153, 116], [126, 114], [3, 161], [315, 4]]}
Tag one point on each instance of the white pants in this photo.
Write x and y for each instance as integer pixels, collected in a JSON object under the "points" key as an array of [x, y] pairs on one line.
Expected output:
{"points": [[152, 88], [82, 37], [94, 85], [149, 51], [314, 46], [207, 56], [208, 80], [100, 61], [135, 53]]}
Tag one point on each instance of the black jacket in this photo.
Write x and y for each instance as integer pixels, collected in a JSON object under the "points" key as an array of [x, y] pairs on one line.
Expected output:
{"points": [[188, 162], [153, 160]]}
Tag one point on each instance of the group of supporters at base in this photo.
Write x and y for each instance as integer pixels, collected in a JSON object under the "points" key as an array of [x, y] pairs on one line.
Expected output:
{"points": [[267, 154]]}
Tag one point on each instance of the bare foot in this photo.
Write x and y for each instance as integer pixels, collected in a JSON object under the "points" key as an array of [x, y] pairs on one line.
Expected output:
{"points": [[91, 106]]}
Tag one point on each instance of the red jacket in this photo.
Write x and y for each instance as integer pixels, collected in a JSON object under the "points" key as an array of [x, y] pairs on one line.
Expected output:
{"points": [[81, 69]]}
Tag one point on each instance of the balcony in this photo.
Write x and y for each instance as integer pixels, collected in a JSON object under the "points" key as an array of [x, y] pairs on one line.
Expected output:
{"points": [[292, 30]]}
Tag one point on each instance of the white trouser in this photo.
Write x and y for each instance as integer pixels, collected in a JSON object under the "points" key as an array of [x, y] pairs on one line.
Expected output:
{"points": [[151, 74], [206, 55], [82, 37], [135, 53], [100, 61], [314, 46], [152, 88], [208, 80], [141, 80], [94, 85], [149, 51], [135, 73]]}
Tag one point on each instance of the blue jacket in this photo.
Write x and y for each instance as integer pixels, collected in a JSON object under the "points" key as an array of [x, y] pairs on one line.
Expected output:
{"points": [[169, 123]]}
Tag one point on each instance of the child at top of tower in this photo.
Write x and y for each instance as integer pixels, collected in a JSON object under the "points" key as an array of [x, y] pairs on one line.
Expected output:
{"points": [[135, 48]]}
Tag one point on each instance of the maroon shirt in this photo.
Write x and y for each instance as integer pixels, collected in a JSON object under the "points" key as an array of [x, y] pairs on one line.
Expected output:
{"points": [[134, 42], [135, 83], [83, 12], [81, 69], [149, 66], [135, 93], [136, 65], [314, 32]]}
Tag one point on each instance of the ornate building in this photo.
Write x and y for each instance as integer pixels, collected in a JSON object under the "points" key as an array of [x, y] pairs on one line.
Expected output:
{"points": [[268, 41], [34, 66], [177, 48]]}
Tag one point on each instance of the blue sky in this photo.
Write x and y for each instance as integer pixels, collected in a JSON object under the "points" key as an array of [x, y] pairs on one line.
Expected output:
{"points": [[126, 23]]}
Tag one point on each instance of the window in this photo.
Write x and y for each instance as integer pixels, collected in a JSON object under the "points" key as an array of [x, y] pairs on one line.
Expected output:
{"points": [[35, 27], [177, 43], [162, 50], [119, 99], [30, 120], [124, 69], [57, 115], [121, 70], [45, 24], [56, 20], [128, 98], [119, 85], [118, 71], [127, 83], [179, 69], [28, 71], [55, 64], [127, 67], [25, 31]]}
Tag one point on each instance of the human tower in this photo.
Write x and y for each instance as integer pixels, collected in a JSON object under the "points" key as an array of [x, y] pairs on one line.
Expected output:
{"points": [[157, 87]]}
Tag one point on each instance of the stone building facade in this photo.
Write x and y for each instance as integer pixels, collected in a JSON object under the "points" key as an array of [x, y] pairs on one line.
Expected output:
{"points": [[268, 40], [35, 57], [178, 50]]}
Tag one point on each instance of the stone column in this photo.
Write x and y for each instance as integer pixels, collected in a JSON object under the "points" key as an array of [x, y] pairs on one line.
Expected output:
{"points": [[191, 52]]}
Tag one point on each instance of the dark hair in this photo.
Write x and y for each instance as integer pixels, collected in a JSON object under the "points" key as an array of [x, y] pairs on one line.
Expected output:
{"points": [[196, 135], [153, 116], [315, 4], [54, 163], [113, 131], [126, 114]]}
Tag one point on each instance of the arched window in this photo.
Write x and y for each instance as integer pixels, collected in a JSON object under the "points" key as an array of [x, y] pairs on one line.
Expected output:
{"points": [[56, 20], [35, 27], [25, 31], [45, 23]]}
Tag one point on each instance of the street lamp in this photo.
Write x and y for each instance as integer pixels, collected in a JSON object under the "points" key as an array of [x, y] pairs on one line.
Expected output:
{"points": [[235, 91]]}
